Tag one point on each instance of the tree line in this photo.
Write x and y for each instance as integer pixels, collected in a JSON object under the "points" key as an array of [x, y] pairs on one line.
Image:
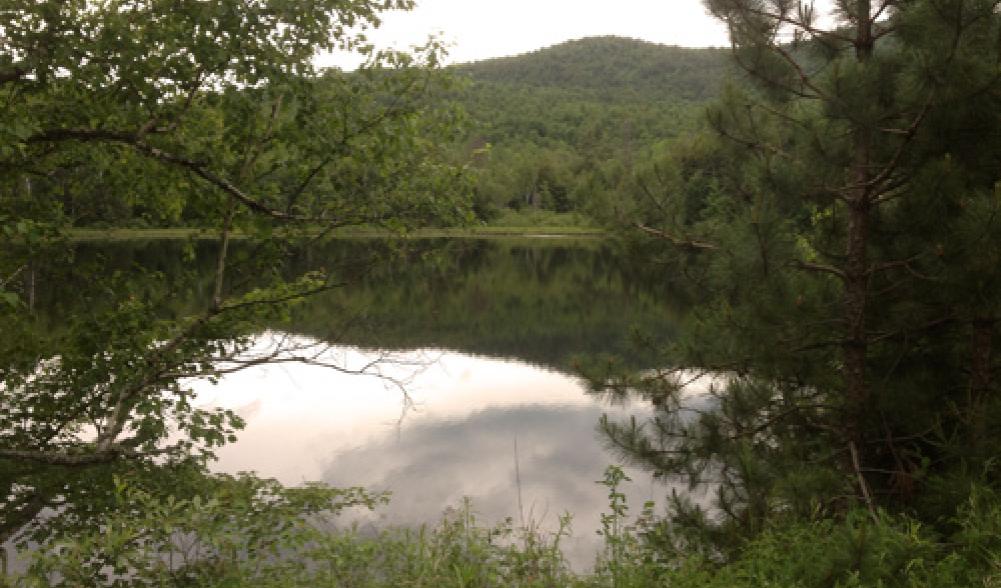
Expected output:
{"points": [[560, 129]]}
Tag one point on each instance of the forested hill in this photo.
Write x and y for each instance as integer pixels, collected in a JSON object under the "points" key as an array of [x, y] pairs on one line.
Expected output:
{"points": [[563, 129], [614, 67], [567, 125]]}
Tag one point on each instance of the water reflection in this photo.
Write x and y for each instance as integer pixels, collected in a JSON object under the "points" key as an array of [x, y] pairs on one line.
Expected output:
{"points": [[524, 303], [537, 301], [456, 439]]}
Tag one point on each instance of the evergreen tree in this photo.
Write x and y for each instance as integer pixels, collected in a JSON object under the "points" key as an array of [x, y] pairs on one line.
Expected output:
{"points": [[837, 232]]}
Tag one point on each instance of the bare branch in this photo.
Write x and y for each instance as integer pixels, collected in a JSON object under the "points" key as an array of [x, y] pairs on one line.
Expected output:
{"points": [[818, 267], [680, 241], [863, 484], [796, 23], [901, 263], [908, 136], [8, 279], [804, 78]]}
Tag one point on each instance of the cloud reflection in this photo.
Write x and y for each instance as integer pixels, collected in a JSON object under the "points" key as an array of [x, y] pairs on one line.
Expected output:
{"points": [[306, 423], [435, 464]]}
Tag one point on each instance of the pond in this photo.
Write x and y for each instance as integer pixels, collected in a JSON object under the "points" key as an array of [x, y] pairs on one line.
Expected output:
{"points": [[483, 336]]}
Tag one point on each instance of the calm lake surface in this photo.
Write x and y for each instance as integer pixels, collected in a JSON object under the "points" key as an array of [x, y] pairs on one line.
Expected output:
{"points": [[484, 335]]}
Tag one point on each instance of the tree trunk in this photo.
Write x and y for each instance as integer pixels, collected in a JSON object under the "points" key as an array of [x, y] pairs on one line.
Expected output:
{"points": [[856, 273], [981, 348]]}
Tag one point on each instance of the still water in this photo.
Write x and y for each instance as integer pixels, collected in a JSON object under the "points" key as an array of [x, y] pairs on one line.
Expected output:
{"points": [[475, 394], [518, 440]]}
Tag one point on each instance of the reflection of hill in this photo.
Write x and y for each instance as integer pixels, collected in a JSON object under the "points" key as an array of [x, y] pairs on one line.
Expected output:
{"points": [[537, 301]]}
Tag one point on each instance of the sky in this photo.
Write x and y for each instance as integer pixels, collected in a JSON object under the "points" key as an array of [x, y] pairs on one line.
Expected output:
{"points": [[481, 29]]}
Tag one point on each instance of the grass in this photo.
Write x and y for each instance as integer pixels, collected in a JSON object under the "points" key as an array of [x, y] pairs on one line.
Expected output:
{"points": [[540, 219], [122, 234], [249, 532]]}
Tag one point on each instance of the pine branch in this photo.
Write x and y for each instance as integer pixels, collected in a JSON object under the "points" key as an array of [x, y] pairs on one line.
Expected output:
{"points": [[937, 322], [908, 136], [905, 264], [770, 81], [804, 78], [750, 144]]}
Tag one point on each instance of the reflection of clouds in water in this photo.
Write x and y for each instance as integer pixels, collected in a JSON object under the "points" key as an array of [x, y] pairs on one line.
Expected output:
{"points": [[299, 415], [433, 465], [309, 422]]}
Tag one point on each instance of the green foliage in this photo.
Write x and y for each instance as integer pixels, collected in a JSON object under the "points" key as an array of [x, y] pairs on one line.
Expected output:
{"points": [[457, 552], [115, 132], [560, 128], [832, 230], [244, 531], [227, 531], [156, 112], [528, 218], [863, 551], [614, 68]]}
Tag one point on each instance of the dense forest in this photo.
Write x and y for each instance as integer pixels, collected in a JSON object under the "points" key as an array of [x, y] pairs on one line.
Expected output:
{"points": [[560, 129], [567, 125]]}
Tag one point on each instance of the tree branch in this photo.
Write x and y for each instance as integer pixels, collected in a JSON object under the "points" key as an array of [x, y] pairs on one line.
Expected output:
{"points": [[106, 455], [796, 23], [818, 267], [680, 241], [131, 140]]}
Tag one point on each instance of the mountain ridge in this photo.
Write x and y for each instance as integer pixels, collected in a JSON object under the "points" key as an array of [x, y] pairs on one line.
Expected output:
{"points": [[564, 126], [607, 65]]}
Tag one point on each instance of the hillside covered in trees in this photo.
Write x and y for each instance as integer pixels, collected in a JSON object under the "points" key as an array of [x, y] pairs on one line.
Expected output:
{"points": [[557, 129], [615, 69], [565, 125]]}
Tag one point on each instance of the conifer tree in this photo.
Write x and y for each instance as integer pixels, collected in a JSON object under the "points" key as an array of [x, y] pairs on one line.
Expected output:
{"points": [[837, 233]]}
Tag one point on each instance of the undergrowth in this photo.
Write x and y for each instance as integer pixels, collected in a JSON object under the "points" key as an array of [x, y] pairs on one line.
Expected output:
{"points": [[256, 533]]}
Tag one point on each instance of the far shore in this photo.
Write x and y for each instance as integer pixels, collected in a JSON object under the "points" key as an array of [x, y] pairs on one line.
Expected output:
{"points": [[539, 232]]}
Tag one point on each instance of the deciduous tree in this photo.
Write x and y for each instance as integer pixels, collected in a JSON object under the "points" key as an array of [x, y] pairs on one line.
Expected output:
{"points": [[207, 109]]}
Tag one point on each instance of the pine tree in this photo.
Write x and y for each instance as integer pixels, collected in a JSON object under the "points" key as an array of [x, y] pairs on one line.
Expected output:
{"points": [[838, 233]]}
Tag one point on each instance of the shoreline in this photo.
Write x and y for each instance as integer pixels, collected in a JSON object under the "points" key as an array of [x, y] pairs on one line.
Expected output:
{"points": [[482, 232]]}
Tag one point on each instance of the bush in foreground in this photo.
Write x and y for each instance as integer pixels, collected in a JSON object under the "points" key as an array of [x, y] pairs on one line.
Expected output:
{"points": [[243, 531]]}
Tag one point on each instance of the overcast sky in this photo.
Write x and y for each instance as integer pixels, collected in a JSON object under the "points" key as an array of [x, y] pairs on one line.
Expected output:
{"points": [[480, 29]]}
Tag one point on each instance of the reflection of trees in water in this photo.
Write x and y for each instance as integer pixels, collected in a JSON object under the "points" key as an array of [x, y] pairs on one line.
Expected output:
{"points": [[538, 301], [541, 302]]}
